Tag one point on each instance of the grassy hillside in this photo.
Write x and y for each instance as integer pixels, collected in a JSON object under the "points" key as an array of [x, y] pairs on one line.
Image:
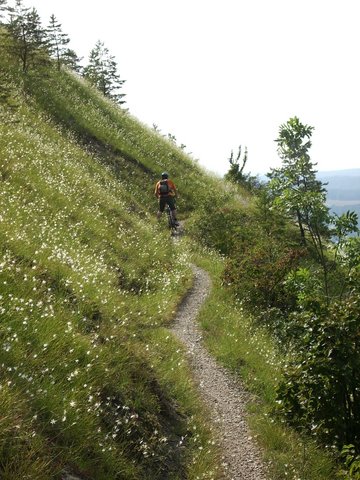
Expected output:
{"points": [[92, 383], [88, 281], [136, 154]]}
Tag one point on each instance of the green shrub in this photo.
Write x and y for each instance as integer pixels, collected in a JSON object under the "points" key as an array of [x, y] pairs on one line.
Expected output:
{"points": [[320, 389], [257, 274], [352, 463], [221, 225]]}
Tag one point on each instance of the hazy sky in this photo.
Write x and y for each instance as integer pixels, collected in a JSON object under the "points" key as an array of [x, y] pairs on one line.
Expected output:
{"points": [[224, 73]]}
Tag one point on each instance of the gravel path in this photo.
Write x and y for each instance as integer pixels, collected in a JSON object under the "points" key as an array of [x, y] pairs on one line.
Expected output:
{"points": [[225, 397]]}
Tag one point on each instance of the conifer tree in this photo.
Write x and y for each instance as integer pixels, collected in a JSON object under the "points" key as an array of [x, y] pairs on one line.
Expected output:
{"points": [[57, 40], [71, 60], [8, 101], [102, 72], [5, 87], [30, 44], [3, 31], [3, 8]]}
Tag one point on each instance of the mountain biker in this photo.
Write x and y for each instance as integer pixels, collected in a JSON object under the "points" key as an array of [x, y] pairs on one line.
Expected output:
{"points": [[165, 191]]}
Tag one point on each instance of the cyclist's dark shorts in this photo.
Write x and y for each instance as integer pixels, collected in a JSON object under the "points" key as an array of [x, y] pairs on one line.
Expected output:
{"points": [[166, 200]]}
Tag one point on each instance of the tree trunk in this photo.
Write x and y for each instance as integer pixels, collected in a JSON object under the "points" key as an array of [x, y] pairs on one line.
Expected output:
{"points": [[302, 231]]}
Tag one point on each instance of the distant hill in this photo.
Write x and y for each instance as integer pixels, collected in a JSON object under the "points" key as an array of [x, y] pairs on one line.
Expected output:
{"points": [[340, 173], [343, 187]]}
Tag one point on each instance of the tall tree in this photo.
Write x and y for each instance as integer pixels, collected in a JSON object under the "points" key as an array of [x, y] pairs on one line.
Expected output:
{"points": [[57, 40], [102, 72], [3, 8], [30, 44], [3, 30], [71, 60], [296, 190], [294, 184]]}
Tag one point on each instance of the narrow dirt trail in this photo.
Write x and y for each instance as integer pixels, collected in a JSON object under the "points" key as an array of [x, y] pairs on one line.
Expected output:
{"points": [[225, 397]]}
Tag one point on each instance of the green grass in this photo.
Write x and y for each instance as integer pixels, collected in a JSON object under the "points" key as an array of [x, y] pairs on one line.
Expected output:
{"points": [[88, 281], [137, 153]]}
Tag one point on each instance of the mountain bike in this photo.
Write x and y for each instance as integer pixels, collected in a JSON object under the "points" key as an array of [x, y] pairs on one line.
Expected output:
{"points": [[171, 220]]}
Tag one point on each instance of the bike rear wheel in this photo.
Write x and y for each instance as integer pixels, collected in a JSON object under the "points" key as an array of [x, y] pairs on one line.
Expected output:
{"points": [[171, 221]]}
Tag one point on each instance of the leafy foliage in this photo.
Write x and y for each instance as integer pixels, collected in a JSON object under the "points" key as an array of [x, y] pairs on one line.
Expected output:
{"points": [[305, 292], [294, 185], [31, 44], [352, 462], [257, 273], [320, 389], [71, 60], [3, 7], [219, 224]]}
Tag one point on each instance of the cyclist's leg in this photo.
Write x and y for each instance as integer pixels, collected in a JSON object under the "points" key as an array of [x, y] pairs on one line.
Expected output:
{"points": [[172, 204], [162, 203]]}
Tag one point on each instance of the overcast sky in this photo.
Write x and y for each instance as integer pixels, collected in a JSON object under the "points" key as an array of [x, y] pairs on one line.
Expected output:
{"points": [[224, 73]]}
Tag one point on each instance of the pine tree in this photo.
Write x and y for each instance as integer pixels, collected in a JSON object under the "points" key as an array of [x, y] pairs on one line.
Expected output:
{"points": [[8, 101], [71, 60], [3, 30], [102, 72], [57, 40], [3, 8], [30, 44]]}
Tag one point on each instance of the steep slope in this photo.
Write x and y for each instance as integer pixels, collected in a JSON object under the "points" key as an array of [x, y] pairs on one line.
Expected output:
{"points": [[136, 154], [86, 282]]}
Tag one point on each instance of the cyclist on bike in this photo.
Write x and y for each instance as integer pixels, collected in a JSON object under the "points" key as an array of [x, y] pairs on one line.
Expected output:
{"points": [[165, 191]]}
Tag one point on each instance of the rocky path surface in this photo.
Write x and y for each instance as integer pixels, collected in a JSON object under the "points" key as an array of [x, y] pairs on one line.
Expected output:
{"points": [[225, 397]]}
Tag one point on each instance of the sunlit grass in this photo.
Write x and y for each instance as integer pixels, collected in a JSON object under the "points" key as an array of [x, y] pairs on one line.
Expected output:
{"points": [[88, 280]]}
